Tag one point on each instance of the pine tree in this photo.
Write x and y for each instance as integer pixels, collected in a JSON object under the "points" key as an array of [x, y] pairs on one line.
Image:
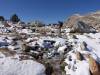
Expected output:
{"points": [[14, 18], [60, 26], [2, 18]]}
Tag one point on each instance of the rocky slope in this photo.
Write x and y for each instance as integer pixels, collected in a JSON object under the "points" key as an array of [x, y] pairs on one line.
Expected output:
{"points": [[84, 58], [91, 20]]}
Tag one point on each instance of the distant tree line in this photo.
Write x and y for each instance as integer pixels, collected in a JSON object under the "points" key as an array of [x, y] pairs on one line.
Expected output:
{"points": [[37, 23], [13, 18]]}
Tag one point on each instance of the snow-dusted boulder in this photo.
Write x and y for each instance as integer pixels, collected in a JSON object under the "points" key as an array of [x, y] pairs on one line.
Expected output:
{"points": [[13, 66], [94, 66], [61, 49], [82, 27]]}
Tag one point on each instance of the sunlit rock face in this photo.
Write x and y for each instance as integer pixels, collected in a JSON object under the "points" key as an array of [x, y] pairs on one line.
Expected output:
{"points": [[82, 27], [91, 19], [94, 66]]}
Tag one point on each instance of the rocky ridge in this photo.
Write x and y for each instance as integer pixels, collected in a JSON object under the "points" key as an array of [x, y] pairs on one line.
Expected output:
{"points": [[90, 21]]}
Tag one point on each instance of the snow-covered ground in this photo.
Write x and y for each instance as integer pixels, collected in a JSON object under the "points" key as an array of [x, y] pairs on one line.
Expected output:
{"points": [[40, 40], [81, 67], [13, 66]]}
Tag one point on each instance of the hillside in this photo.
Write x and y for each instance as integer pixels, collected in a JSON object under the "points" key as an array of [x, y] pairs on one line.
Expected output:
{"points": [[91, 19]]}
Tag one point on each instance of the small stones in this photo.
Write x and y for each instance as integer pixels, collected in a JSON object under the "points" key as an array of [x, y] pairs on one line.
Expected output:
{"points": [[79, 56]]}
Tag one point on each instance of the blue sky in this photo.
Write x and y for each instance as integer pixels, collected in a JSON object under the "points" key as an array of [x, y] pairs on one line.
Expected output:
{"points": [[48, 11]]}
